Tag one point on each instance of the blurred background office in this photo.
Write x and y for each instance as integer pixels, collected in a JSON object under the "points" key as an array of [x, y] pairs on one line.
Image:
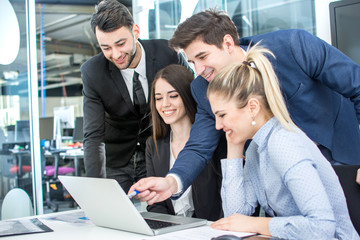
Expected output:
{"points": [[44, 42]]}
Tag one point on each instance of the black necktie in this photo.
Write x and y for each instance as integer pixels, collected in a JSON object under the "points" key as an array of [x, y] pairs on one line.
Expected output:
{"points": [[139, 96]]}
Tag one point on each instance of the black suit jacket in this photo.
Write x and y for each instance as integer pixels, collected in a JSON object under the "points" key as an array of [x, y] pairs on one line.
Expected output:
{"points": [[205, 188], [112, 126]]}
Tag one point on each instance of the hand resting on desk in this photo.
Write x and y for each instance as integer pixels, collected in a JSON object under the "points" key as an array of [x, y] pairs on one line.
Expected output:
{"points": [[154, 189], [242, 223]]}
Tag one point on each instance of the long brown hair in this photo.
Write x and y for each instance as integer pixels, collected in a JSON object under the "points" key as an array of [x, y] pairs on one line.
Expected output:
{"points": [[180, 78]]}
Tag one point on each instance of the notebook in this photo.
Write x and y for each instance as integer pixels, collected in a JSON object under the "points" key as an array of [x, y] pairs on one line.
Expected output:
{"points": [[106, 204]]}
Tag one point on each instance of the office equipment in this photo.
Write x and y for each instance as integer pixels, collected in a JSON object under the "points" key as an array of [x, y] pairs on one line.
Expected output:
{"points": [[22, 131], [46, 128], [66, 116], [227, 237], [107, 205], [347, 176], [78, 130], [63, 118], [344, 22], [10, 130]]}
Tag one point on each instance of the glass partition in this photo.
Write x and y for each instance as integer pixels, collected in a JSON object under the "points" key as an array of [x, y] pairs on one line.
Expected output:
{"points": [[159, 18], [16, 166]]}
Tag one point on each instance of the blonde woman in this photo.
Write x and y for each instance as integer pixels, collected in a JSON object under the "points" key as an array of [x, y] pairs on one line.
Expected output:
{"points": [[284, 171]]}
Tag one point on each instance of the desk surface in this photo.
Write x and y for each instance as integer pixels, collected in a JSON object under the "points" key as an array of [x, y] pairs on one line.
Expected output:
{"points": [[69, 231], [85, 230]]}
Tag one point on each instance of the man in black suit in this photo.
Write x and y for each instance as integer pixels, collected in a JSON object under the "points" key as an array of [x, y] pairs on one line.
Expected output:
{"points": [[116, 86]]}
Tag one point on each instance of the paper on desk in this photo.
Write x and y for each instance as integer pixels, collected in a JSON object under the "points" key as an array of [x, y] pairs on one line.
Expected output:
{"points": [[73, 217], [198, 233], [22, 226]]}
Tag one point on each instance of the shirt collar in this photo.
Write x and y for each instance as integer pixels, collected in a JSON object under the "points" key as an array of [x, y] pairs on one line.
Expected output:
{"points": [[263, 133], [141, 67]]}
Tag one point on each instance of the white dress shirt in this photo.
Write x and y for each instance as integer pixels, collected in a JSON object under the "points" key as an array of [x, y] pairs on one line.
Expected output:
{"points": [[141, 70]]}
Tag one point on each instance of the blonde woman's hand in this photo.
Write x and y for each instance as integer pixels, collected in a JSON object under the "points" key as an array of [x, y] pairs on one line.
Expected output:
{"points": [[358, 176], [242, 223], [234, 150]]}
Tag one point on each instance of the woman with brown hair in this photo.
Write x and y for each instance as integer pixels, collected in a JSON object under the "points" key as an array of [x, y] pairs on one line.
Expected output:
{"points": [[173, 113]]}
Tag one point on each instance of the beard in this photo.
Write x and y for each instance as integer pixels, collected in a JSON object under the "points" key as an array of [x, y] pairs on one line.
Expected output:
{"points": [[130, 55], [131, 58]]}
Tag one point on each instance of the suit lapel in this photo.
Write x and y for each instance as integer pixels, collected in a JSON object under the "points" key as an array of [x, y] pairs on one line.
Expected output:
{"points": [[121, 85], [163, 164], [150, 61], [164, 161]]}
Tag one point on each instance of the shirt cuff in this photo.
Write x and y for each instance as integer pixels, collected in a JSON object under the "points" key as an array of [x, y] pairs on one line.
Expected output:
{"points": [[179, 184]]}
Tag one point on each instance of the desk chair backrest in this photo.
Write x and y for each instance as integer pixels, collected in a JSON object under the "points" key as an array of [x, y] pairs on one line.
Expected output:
{"points": [[347, 176], [16, 204]]}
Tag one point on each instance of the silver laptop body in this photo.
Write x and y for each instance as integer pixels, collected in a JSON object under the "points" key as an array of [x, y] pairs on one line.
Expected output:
{"points": [[107, 205]]}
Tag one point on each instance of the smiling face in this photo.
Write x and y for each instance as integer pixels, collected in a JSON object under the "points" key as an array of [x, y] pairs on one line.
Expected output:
{"points": [[168, 102], [208, 60], [119, 46], [235, 122]]}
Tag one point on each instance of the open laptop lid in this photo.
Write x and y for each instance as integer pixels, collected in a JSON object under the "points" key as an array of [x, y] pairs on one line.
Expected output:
{"points": [[107, 205]]}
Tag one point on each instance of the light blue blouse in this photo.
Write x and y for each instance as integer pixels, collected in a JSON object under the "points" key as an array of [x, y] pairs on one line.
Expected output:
{"points": [[292, 181]]}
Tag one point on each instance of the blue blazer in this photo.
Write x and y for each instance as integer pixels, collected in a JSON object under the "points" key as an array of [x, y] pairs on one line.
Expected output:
{"points": [[321, 87]]}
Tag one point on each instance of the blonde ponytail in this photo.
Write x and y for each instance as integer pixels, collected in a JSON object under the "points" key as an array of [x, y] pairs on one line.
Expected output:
{"points": [[253, 77]]}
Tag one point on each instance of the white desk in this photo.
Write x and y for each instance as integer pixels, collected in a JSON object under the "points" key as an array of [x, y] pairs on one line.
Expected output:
{"points": [[74, 231], [63, 230]]}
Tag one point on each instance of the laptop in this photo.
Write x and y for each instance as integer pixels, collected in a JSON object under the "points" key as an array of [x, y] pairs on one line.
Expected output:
{"points": [[106, 205]]}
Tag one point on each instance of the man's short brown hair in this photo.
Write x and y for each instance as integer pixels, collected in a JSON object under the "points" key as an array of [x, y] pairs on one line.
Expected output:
{"points": [[209, 26], [111, 15]]}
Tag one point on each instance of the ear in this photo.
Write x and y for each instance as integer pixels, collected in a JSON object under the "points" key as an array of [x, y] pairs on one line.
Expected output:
{"points": [[228, 43], [254, 106], [136, 31]]}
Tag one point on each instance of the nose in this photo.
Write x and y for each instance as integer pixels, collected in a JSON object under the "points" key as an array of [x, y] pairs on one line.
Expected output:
{"points": [[199, 68], [166, 102], [115, 53], [218, 124]]}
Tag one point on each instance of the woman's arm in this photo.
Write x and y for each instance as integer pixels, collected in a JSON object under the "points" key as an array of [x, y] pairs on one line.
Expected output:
{"points": [[237, 192]]}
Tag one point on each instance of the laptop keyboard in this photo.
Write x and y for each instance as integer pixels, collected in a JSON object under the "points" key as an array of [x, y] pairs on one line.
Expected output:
{"points": [[156, 224]]}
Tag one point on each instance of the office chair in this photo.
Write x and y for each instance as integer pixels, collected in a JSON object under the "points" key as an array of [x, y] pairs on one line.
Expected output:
{"points": [[16, 169], [50, 179], [347, 176]]}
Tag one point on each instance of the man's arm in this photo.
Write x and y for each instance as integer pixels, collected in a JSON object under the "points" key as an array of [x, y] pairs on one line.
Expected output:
{"points": [[94, 147], [204, 138]]}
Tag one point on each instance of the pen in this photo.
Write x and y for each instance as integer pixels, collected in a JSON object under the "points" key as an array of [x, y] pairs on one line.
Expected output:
{"points": [[131, 195]]}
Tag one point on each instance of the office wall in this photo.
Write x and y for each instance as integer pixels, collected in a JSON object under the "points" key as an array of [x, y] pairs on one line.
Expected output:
{"points": [[52, 102]]}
